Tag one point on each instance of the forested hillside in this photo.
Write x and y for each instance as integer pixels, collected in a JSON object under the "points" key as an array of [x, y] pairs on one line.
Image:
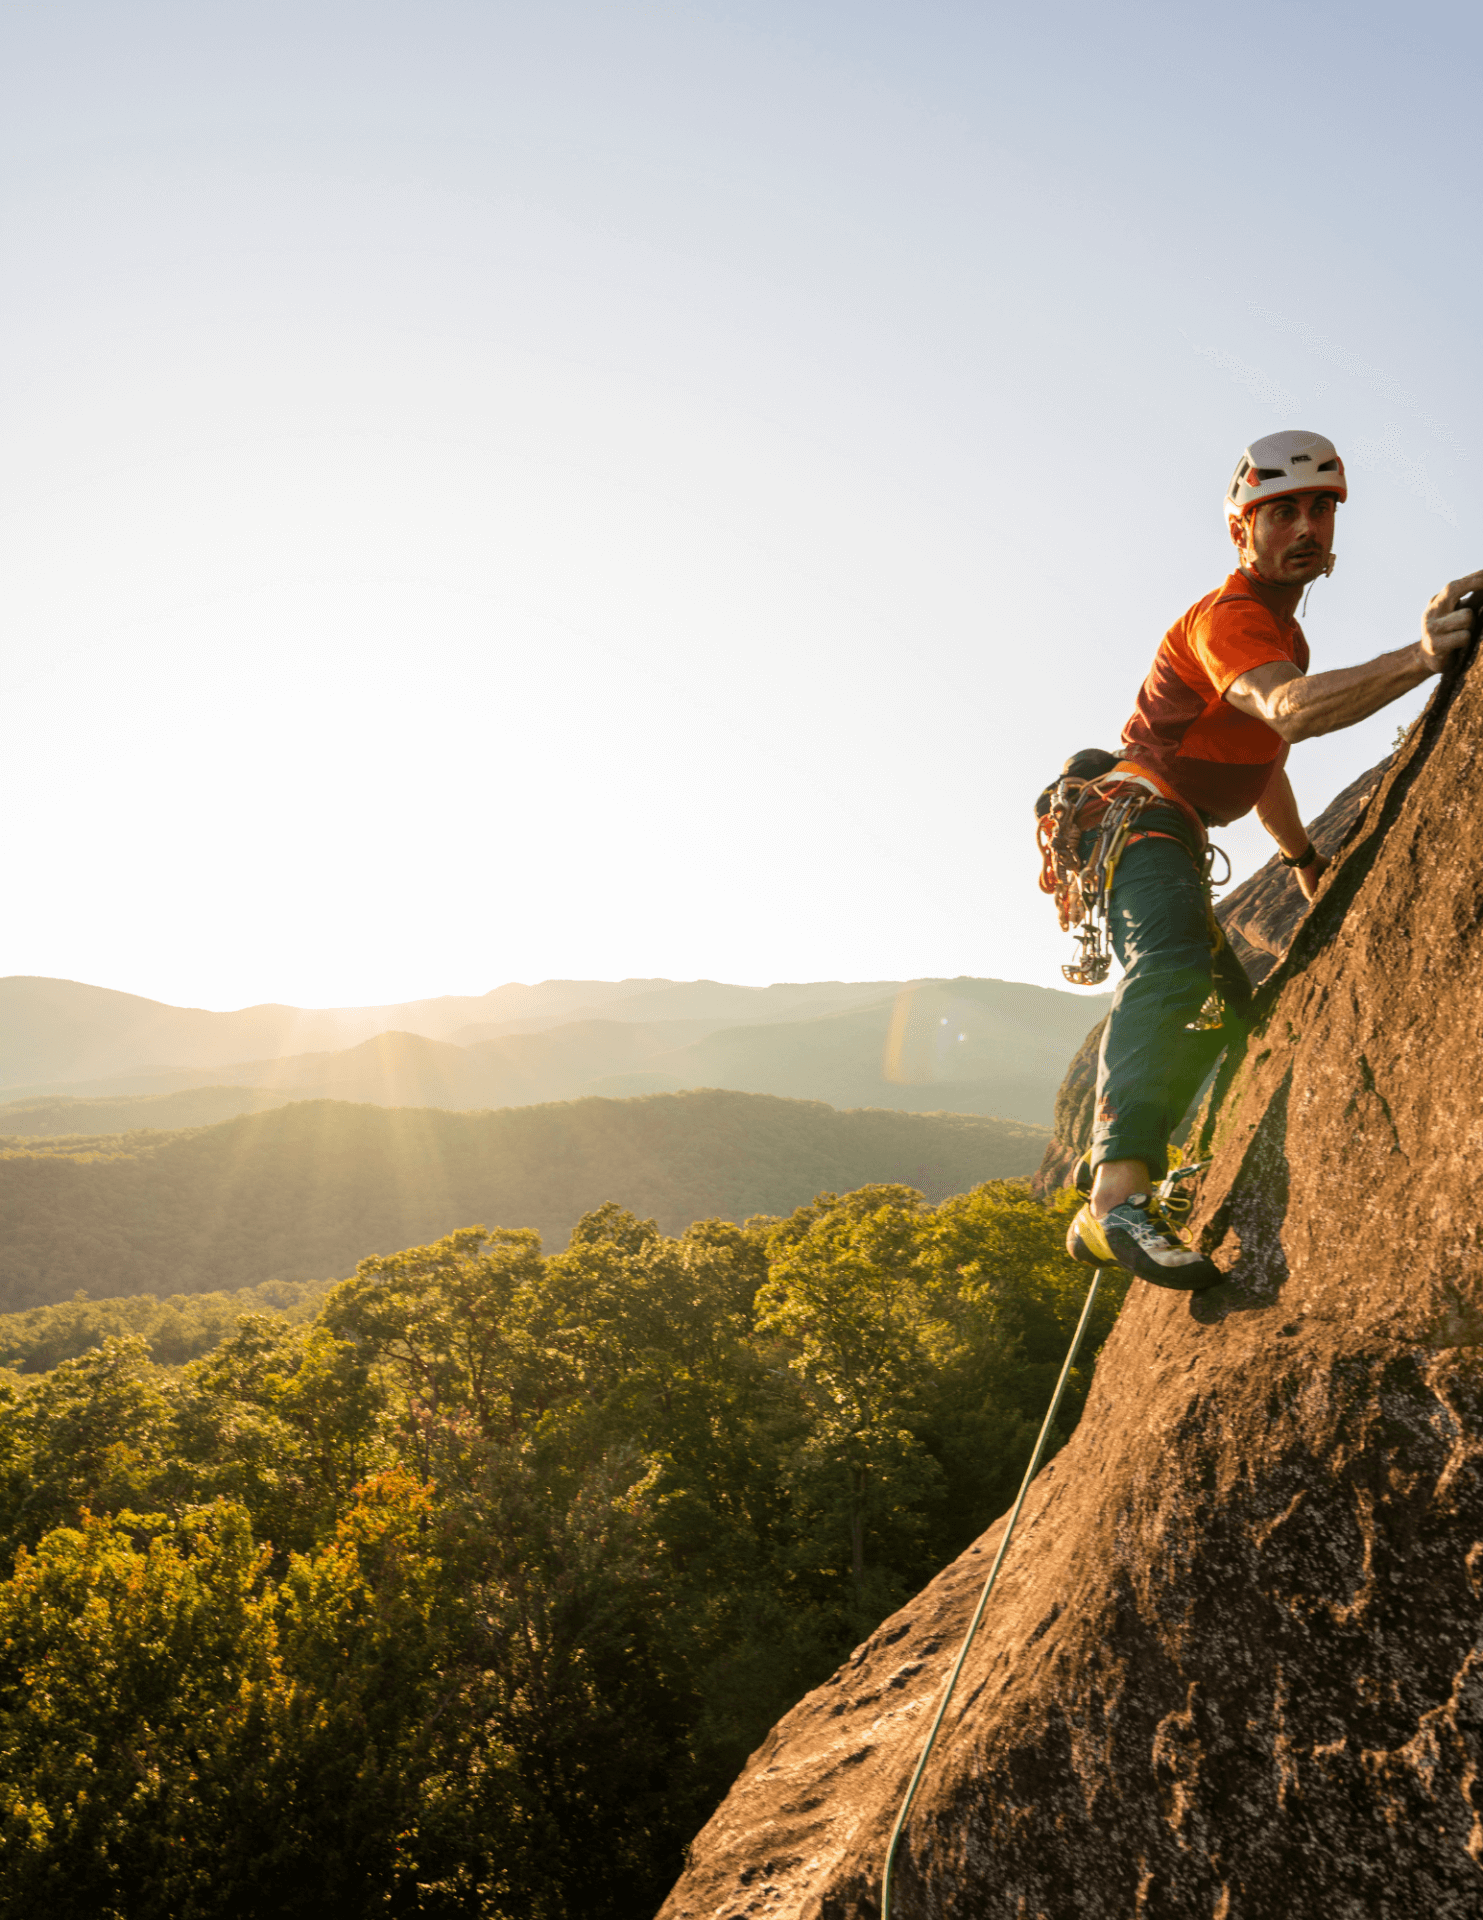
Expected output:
{"points": [[470, 1596], [305, 1191]]}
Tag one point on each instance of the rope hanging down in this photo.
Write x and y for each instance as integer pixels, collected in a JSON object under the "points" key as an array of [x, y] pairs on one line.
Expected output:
{"points": [[983, 1598]]}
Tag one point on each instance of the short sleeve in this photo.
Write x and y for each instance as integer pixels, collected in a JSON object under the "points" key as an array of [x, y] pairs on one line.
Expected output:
{"points": [[1234, 636]]}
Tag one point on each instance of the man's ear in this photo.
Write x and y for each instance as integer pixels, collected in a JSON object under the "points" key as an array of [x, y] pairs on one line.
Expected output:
{"points": [[1239, 530]]}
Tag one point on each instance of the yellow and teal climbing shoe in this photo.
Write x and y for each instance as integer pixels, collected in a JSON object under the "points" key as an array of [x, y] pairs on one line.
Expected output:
{"points": [[1141, 1240]]}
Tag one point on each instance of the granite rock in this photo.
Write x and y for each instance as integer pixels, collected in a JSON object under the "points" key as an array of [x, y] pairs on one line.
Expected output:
{"points": [[1234, 1666]]}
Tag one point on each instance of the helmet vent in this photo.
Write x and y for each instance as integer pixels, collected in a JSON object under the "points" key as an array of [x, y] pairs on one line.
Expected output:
{"points": [[1326, 466], [1258, 474]]}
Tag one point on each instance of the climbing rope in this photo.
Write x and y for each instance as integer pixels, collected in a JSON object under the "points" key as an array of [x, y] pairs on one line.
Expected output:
{"points": [[983, 1598]]}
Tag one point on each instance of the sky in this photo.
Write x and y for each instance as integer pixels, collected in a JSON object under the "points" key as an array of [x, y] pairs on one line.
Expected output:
{"points": [[506, 491]]}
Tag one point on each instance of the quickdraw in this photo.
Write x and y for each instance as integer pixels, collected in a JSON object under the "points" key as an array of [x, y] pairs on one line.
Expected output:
{"points": [[1176, 1201]]}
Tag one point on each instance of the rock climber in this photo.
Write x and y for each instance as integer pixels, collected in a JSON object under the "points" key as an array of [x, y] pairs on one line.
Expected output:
{"points": [[1228, 694]]}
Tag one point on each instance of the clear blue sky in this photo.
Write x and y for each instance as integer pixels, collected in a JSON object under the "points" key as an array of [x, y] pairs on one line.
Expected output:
{"points": [[498, 491]]}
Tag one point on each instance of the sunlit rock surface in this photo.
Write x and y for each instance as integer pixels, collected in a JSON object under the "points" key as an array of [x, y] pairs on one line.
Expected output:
{"points": [[1233, 1665]]}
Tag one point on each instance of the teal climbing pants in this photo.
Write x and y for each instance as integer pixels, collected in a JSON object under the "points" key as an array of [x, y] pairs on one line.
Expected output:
{"points": [[1151, 1066]]}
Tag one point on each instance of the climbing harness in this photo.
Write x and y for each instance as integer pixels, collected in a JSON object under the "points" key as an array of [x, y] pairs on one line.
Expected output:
{"points": [[1109, 803], [983, 1598]]}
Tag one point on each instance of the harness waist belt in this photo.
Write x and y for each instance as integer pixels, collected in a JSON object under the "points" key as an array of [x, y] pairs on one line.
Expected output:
{"points": [[1132, 773]]}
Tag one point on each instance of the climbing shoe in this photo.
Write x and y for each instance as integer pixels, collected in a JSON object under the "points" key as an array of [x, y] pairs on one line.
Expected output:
{"points": [[1085, 1241], [1141, 1241], [1136, 1237]]}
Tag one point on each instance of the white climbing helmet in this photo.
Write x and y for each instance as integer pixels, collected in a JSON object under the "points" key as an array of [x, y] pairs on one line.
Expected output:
{"points": [[1289, 462]]}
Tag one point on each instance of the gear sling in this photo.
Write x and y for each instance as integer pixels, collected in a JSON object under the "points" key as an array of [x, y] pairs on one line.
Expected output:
{"points": [[1105, 820]]}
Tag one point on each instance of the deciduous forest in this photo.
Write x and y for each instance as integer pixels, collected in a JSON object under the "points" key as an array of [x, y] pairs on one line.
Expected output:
{"points": [[469, 1594]]}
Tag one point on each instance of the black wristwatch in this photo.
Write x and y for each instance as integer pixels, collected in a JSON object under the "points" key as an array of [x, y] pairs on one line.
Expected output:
{"points": [[1303, 859]]}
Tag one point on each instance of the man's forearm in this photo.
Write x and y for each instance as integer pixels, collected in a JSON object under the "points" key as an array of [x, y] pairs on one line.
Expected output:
{"points": [[1296, 706], [1311, 704], [1278, 812]]}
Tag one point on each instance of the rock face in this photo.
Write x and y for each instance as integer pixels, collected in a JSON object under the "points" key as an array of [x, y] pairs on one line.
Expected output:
{"points": [[1259, 918], [1234, 1665]]}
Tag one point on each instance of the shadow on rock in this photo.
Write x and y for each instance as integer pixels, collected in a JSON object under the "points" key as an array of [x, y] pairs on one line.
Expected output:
{"points": [[1250, 1221]]}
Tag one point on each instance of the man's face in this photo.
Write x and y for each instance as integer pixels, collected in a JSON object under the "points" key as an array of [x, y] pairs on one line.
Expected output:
{"points": [[1289, 541]]}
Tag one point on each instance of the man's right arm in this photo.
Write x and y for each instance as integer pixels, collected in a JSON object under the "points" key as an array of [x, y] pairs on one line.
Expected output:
{"points": [[1298, 706]]}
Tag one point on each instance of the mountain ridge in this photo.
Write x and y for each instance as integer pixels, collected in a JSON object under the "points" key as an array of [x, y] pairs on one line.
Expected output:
{"points": [[996, 1048]]}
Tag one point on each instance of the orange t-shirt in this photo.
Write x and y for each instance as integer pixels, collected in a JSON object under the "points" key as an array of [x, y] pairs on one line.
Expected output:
{"points": [[1183, 728]]}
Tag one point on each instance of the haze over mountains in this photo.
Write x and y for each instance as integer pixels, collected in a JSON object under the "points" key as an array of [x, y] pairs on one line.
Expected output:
{"points": [[138, 1152], [77, 1058]]}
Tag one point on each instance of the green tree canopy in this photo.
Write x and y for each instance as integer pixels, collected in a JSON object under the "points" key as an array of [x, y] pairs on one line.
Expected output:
{"points": [[468, 1595]]}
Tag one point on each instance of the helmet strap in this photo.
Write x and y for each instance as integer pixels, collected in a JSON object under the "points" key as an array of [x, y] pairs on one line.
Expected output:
{"points": [[1248, 553], [1247, 548]]}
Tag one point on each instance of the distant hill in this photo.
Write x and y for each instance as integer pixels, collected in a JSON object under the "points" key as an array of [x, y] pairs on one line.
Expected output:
{"points": [[712, 1003], [59, 1113], [981, 1046], [59, 1036], [305, 1191], [972, 1046]]}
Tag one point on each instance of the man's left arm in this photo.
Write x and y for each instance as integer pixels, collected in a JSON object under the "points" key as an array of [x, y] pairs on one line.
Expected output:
{"points": [[1278, 812]]}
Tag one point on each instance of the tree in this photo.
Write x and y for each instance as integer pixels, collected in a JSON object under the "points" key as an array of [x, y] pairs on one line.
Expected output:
{"points": [[95, 1433], [287, 1421], [440, 1323], [136, 1674], [851, 1293], [469, 1597], [1002, 1279]]}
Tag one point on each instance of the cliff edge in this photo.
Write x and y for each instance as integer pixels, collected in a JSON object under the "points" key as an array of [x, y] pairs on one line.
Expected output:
{"points": [[1234, 1664]]}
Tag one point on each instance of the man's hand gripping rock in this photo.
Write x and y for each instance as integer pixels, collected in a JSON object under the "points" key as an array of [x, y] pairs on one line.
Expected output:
{"points": [[1447, 624]]}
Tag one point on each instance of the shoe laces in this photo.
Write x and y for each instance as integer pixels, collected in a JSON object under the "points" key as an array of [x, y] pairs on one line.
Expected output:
{"points": [[1163, 1218]]}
